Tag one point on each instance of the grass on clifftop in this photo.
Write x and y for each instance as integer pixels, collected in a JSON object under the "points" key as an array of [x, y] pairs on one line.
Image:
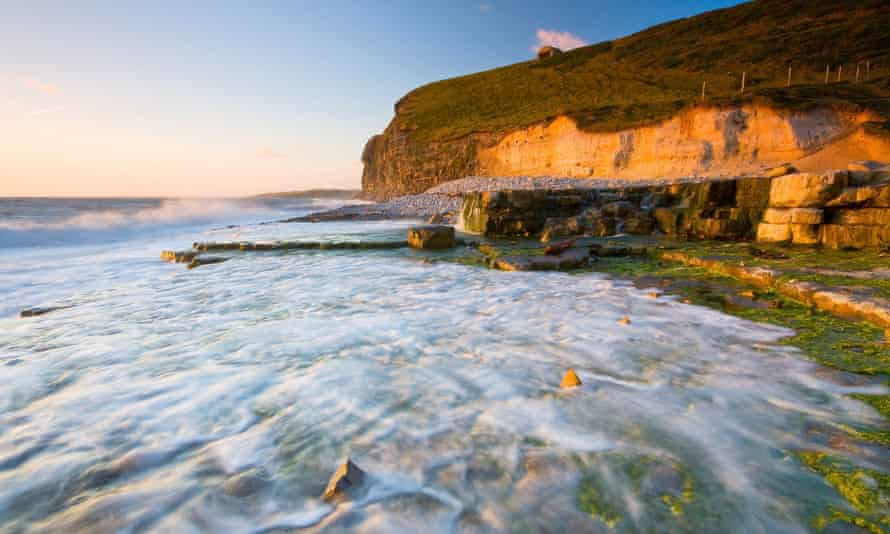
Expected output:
{"points": [[649, 76]]}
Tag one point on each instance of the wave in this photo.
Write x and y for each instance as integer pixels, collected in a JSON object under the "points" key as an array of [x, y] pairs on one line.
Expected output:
{"points": [[56, 222]]}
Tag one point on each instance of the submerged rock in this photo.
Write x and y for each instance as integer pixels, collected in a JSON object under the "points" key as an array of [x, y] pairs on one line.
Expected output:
{"points": [[344, 481], [431, 237], [34, 312], [570, 259], [570, 379], [205, 260]]}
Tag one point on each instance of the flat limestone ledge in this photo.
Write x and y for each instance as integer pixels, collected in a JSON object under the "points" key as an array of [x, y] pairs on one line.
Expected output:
{"points": [[570, 259], [875, 310]]}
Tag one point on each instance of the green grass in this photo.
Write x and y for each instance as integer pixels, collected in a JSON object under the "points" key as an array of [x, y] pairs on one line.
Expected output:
{"points": [[649, 76]]}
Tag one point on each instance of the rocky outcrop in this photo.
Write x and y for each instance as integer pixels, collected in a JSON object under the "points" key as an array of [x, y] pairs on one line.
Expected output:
{"points": [[799, 208], [704, 141]]}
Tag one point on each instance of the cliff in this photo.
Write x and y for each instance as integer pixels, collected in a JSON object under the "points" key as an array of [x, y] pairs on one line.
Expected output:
{"points": [[633, 108]]}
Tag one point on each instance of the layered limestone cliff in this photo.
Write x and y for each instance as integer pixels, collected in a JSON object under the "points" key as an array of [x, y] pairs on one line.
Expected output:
{"points": [[700, 141]]}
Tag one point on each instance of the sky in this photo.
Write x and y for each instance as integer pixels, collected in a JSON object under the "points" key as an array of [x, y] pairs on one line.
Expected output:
{"points": [[223, 98]]}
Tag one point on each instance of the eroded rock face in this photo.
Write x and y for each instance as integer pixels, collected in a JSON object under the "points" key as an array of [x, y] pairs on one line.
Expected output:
{"points": [[431, 237], [571, 259], [735, 140]]}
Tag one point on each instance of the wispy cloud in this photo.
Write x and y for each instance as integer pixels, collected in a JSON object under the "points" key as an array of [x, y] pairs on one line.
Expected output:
{"points": [[268, 153], [41, 87], [484, 8], [561, 40]]}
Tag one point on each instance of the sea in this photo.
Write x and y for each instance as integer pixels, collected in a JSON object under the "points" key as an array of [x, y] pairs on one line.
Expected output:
{"points": [[157, 398]]}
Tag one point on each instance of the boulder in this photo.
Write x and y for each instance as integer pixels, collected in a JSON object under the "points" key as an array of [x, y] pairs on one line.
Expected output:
{"points": [[779, 170], [793, 215], [548, 51], [570, 379], [621, 208], [344, 482], [639, 226], [806, 190], [773, 233], [556, 227], [431, 237], [558, 248], [36, 312], [570, 259]]}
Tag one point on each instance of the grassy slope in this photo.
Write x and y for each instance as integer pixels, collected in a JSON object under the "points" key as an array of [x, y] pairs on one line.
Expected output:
{"points": [[648, 76]]}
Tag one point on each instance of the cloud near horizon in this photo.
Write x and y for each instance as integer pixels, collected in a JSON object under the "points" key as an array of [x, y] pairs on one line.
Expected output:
{"points": [[562, 40], [41, 87]]}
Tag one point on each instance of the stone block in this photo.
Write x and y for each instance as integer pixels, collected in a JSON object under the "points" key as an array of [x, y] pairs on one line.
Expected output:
{"points": [[753, 192], [850, 236], [874, 196], [793, 215], [863, 216], [805, 234], [712, 194], [773, 233], [556, 227], [806, 190]]}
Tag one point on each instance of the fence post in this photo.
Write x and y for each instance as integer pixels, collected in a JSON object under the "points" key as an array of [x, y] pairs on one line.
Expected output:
{"points": [[868, 70], [789, 77], [857, 73], [840, 68], [703, 85], [826, 74], [743, 81]]}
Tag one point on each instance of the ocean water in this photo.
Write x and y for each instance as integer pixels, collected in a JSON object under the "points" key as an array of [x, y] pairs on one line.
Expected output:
{"points": [[221, 399]]}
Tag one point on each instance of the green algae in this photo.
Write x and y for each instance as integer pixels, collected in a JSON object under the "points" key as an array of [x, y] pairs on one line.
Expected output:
{"points": [[866, 490]]}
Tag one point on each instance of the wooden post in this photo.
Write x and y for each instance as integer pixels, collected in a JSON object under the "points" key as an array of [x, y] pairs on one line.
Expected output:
{"points": [[857, 73], [743, 81], [868, 70], [840, 68], [789, 77], [826, 74], [703, 85]]}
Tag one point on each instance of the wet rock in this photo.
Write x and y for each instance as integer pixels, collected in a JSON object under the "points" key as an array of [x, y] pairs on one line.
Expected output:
{"points": [[793, 215], [779, 170], [180, 256], [560, 227], [753, 192], [712, 194], [431, 237], [570, 379], [449, 217], [35, 312], [245, 484], [639, 226], [621, 208], [558, 248], [345, 481], [655, 200], [227, 245], [806, 190], [571, 259], [205, 260]]}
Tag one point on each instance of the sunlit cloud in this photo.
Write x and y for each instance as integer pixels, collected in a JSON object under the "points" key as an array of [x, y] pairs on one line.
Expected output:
{"points": [[268, 153], [561, 40], [41, 87], [484, 8]]}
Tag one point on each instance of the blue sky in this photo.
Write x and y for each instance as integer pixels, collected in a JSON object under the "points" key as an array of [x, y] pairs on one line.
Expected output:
{"points": [[227, 98]]}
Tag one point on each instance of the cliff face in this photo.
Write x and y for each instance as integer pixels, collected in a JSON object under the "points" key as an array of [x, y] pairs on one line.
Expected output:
{"points": [[730, 140]]}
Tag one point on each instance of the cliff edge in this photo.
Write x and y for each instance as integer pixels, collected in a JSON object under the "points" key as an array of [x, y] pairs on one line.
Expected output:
{"points": [[666, 102]]}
